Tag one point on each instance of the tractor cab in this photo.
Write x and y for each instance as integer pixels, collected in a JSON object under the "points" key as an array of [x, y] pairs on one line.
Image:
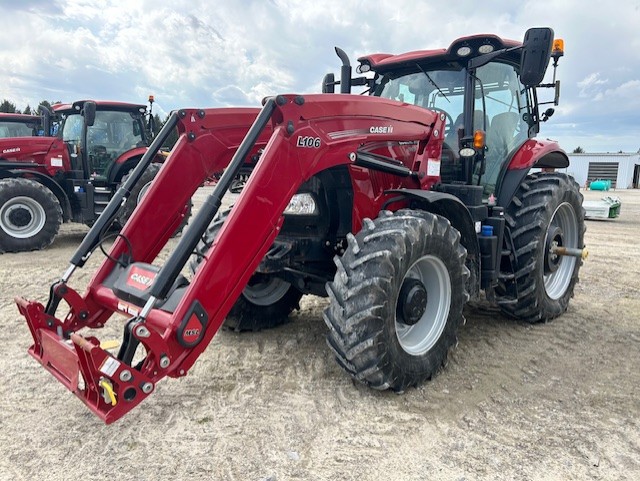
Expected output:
{"points": [[97, 135], [483, 86], [502, 112]]}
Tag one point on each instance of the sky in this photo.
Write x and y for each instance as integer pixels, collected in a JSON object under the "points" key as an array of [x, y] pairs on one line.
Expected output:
{"points": [[219, 53]]}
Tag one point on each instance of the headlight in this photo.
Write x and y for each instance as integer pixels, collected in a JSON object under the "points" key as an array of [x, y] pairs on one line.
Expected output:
{"points": [[301, 204], [464, 51], [467, 152]]}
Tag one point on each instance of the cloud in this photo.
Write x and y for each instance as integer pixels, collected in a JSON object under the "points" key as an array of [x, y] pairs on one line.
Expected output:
{"points": [[591, 86], [212, 53], [230, 96]]}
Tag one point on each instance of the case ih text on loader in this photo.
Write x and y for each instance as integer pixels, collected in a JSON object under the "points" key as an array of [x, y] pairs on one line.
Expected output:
{"points": [[400, 206], [45, 181]]}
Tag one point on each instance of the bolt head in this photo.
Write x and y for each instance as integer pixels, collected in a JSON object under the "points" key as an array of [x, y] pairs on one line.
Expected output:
{"points": [[142, 331]]}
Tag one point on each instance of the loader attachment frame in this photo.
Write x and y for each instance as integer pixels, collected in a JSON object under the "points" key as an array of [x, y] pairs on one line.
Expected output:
{"points": [[173, 318]]}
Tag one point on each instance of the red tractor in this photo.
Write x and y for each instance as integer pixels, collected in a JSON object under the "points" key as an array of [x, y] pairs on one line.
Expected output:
{"points": [[47, 180], [400, 206], [20, 125]]}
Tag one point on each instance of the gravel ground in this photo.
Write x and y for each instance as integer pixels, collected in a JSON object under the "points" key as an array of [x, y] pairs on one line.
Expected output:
{"points": [[528, 402]]}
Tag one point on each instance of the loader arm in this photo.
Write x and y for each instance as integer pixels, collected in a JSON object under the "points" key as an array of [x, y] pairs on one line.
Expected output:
{"points": [[173, 318]]}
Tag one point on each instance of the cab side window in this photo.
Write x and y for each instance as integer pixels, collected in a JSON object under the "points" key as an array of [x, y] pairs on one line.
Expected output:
{"points": [[506, 107]]}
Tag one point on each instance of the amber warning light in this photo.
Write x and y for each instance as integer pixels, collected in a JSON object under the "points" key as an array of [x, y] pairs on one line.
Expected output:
{"points": [[478, 139], [558, 48]]}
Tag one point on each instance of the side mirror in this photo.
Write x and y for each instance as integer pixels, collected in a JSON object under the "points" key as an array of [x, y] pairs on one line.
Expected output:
{"points": [[329, 84], [536, 52], [89, 113]]}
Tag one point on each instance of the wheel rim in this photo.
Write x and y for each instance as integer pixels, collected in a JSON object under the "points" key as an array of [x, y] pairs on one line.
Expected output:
{"points": [[564, 220], [22, 217], [420, 337], [142, 192], [265, 291]]}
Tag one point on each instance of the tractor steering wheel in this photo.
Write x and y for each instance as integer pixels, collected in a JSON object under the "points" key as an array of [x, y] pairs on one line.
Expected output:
{"points": [[449, 124]]}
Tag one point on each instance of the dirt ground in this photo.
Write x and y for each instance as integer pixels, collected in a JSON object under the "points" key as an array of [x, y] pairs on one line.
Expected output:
{"points": [[554, 401]]}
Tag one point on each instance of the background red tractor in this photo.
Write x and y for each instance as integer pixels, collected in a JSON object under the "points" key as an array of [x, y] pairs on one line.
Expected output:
{"points": [[400, 206], [20, 125], [71, 176]]}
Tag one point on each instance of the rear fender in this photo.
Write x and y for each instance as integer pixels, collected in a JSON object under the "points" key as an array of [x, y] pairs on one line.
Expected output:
{"points": [[539, 153], [119, 170], [544, 154], [126, 162]]}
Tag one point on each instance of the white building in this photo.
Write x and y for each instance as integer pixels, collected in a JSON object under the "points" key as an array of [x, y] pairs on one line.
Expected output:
{"points": [[622, 169]]}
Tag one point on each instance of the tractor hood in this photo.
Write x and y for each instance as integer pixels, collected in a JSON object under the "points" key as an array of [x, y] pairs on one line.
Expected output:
{"points": [[30, 152]]}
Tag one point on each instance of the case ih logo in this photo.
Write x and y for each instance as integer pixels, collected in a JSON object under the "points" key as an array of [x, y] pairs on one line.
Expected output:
{"points": [[11, 151], [381, 130], [140, 279]]}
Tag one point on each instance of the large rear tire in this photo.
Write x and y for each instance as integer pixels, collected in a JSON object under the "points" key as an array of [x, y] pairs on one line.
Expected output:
{"points": [[396, 300], [536, 285], [30, 215], [137, 193], [264, 303]]}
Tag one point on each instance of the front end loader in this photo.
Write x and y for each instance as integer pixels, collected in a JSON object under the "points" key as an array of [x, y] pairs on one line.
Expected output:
{"points": [[374, 201]]}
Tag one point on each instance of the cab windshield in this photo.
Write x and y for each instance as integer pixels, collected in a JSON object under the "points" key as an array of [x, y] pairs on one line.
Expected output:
{"points": [[438, 90], [18, 129], [112, 134], [502, 109]]}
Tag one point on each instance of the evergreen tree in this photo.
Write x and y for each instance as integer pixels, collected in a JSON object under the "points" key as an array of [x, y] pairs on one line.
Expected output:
{"points": [[8, 107], [157, 124], [171, 139]]}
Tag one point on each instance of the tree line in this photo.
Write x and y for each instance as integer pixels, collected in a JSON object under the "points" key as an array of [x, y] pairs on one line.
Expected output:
{"points": [[7, 106]]}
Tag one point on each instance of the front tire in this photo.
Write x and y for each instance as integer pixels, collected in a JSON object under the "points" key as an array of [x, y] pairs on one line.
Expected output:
{"points": [[546, 211], [264, 303], [30, 215], [396, 300]]}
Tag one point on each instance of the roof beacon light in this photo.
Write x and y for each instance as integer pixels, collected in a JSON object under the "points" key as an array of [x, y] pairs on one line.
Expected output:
{"points": [[558, 48], [464, 51]]}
